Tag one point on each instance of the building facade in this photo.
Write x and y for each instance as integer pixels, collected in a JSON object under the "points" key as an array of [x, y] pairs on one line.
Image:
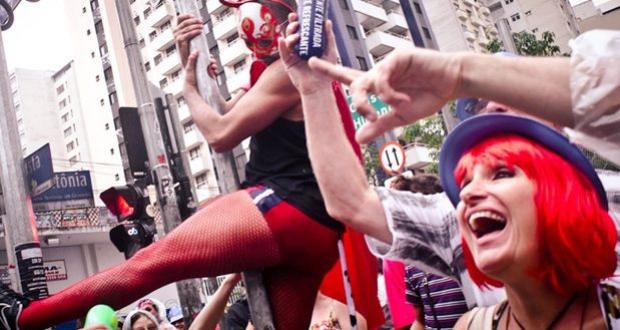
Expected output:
{"points": [[603, 14]]}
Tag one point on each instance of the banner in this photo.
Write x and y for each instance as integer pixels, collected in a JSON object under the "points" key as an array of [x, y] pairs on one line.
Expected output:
{"points": [[55, 270]]}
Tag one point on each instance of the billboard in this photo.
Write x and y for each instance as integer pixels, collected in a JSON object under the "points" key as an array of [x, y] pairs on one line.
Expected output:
{"points": [[39, 170]]}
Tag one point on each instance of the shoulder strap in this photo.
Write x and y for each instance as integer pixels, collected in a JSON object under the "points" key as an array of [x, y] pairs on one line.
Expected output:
{"points": [[483, 317]]}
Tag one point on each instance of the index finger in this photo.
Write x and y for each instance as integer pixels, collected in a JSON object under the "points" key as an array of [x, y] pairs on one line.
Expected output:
{"points": [[335, 71]]}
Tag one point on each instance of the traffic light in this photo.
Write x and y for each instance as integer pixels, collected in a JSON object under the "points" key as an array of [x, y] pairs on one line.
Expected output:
{"points": [[132, 208]]}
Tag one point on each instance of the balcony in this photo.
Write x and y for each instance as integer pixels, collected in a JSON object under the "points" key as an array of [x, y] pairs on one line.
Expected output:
{"points": [[477, 21], [485, 11], [235, 52], [390, 4], [197, 165], [159, 16], [417, 156], [175, 87], [184, 113], [380, 43], [163, 40], [169, 64], [193, 138], [470, 3], [224, 26], [368, 14], [396, 23], [215, 7], [241, 78], [469, 36], [461, 14]]}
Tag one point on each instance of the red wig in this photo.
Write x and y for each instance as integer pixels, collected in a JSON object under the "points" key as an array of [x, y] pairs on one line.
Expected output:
{"points": [[576, 235]]}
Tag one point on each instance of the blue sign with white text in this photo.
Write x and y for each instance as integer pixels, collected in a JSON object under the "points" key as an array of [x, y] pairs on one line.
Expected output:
{"points": [[39, 170], [75, 185]]}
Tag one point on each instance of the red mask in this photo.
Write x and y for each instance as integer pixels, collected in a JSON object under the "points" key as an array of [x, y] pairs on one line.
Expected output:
{"points": [[259, 29]]}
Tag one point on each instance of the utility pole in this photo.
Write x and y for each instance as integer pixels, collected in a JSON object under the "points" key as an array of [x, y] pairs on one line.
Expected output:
{"points": [[20, 229], [228, 177], [189, 290]]}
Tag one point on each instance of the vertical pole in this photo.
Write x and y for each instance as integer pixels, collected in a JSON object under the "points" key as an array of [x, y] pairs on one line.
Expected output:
{"points": [[228, 178], [189, 290], [20, 230], [503, 27]]}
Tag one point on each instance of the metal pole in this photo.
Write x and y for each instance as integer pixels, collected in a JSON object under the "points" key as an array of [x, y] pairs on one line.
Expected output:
{"points": [[228, 178], [503, 27], [20, 229], [189, 290]]}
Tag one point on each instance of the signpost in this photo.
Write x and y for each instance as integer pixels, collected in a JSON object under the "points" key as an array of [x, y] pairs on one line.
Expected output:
{"points": [[70, 190], [392, 156], [380, 106], [39, 170]]}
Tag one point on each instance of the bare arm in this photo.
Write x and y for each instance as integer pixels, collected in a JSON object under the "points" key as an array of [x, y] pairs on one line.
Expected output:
{"points": [[272, 95], [347, 194], [212, 313], [537, 85], [418, 324]]}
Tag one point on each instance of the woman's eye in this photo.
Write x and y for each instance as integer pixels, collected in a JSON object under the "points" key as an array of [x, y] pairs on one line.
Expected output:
{"points": [[502, 173]]}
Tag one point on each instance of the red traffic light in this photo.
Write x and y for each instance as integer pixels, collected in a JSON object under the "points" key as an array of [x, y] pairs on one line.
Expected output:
{"points": [[125, 202]]}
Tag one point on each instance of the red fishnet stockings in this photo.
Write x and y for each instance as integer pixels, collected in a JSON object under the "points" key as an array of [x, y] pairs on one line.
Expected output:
{"points": [[230, 235]]}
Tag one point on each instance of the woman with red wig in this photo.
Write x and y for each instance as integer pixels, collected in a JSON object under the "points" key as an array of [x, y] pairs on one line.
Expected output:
{"points": [[533, 218]]}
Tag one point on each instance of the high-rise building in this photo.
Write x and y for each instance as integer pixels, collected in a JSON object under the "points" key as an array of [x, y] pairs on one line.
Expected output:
{"points": [[603, 14], [460, 25], [537, 16]]}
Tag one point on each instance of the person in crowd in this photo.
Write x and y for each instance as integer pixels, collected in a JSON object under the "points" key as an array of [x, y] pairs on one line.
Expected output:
{"points": [[438, 300], [175, 316], [140, 320], [278, 223], [158, 310]]}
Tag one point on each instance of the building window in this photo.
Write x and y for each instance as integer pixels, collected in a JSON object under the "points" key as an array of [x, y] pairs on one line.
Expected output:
{"points": [[508, 1], [117, 177], [362, 62], [112, 98], [232, 38], [102, 102], [68, 131], [152, 35], [515, 17], [88, 32], [111, 151], [181, 101], [188, 127], [163, 83], [136, 20], [103, 50], [417, 7], [201, 180], [427, 33], [528, 13], [94, 4], [65, 117], [97, 78], [92, 54], [107, 73], [352, 32], [99, 27], [60, 89], [170, 50], [157, 59], [534, 30], [73, 160], [62, 104], [343, 4], [194, 153], [83, 9], [107, 126], [166, 26], [239, 66], [141, 43], [147, 12], [147, 66], [175, 75], [70, 146]]}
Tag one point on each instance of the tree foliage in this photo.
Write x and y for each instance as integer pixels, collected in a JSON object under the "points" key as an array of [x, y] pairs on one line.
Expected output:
{"points": [[528, 44]]}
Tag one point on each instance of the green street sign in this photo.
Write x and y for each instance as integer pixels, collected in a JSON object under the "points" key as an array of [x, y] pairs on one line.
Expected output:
{"points": [[380, 106]]}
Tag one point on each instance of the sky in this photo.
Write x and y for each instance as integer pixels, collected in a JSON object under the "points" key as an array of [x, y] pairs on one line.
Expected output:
{"points": [[35, 41]]}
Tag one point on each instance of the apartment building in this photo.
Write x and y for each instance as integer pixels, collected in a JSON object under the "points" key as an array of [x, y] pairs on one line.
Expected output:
{"points": [[460, 25], [603, 14], [537, 16]]}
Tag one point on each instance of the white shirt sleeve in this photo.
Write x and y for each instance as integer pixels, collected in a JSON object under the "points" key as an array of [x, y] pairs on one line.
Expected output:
{"points": [[595, 92]]}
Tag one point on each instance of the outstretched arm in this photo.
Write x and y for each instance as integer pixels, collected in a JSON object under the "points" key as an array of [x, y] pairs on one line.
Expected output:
{"points": [[268, 99], [347, 194], [212, 313], [418, 82]]}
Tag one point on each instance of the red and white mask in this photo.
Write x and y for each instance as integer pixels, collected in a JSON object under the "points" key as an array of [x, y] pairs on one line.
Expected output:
{"points": [[259, 28]]}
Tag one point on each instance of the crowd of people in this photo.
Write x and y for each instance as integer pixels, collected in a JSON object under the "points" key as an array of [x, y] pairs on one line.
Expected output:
{"points": [[516, 233]]}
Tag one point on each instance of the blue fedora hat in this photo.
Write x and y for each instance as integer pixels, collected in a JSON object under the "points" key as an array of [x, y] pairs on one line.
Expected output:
{"points": [[476, 129]]}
